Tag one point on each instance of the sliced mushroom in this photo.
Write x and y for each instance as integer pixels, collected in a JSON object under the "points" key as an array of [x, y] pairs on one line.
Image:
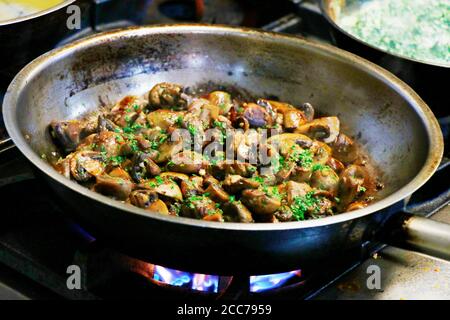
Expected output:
{"points": [[237, 212], [176, 176], [62, 166], [143, 198], [158, 206], [198, 207], [68, 134], [325, 129], [143, 167], [335, 164], [145, 145], [187, 161], [344, 149], [105, 124], [86, 164], [125, 103], [350, 183], [294, 189], [222, 100], [240, 168], [256, 115], [284, 214], [302, 168], [301, 174], [113, 187], [292, 117], [167, 150], [217, 194], [324, 206], [259, 202], [217, 216], [196, 125], [321, 152], [325, 179], [118, 172], [164, 118], [209, 179], [192, 186], [234, 183], [285, 142], [126, 111], [208, 112], [307, 110], [165, 187], [167, 95], [110, 144], [284, 172]]}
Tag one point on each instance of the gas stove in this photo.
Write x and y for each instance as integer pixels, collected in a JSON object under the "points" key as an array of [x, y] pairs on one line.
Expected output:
{"points": [[40, 248]]}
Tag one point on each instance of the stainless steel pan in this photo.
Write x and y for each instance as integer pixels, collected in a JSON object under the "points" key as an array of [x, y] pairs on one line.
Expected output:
{"points": [[428, 79], [395, 126]]}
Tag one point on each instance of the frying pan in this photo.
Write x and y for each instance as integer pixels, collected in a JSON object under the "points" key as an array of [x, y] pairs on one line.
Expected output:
{"points": [[425, 77], [32, 35], [392, 123]]}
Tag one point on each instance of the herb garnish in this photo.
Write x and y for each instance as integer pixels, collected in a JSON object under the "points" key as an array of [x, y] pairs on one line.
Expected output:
{"points": [[320, 167], [302, 204], [192, 129], [304, 158]]}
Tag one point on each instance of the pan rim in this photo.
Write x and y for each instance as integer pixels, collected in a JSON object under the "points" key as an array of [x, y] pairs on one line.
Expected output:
{"points": [[434, 134]]}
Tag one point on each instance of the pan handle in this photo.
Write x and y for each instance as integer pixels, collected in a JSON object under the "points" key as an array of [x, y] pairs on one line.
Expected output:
{"points": [[6, 144], [414, 232]]}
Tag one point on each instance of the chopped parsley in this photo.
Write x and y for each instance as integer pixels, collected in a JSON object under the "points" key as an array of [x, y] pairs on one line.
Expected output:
{"points": [[320, 167], [192, 129], [304, 158], [219, 124], [117, 160], [179, 121], [159, 180], [361, 189], [258, 179], [190, 201], [302, 204], [154, 144], [133, 128]]}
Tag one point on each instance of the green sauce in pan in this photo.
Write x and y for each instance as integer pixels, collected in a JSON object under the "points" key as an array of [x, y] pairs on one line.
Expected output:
{"points": [[418, 29]]}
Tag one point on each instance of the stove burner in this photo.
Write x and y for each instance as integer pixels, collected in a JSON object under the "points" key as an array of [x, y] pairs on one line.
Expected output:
{"points": [[194, 281], [272, 281]]}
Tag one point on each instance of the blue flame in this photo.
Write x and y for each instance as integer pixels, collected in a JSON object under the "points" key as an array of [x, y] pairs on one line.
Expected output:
{"points": [[81, 232], [271, 281], [195, 281]]}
